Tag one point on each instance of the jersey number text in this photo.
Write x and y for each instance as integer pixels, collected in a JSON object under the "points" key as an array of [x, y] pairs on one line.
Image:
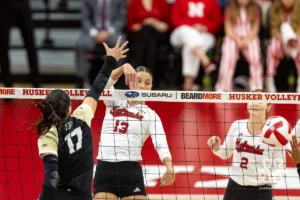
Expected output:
{"points": [[121, 127], [77, 132], [244, 162]]}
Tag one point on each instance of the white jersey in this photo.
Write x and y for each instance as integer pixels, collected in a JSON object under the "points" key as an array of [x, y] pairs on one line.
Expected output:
{"points": [[254, 163], [125, 129]]}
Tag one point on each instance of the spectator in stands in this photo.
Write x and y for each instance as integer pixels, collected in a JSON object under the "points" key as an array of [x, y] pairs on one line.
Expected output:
{"points": [[17, 11], [242, 22], [148, 25], [195, 22], [102, 21], [285, 31]]}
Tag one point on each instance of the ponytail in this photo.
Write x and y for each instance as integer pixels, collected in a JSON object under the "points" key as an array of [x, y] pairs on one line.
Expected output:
{"points": [[54, 110], [49, 118]]}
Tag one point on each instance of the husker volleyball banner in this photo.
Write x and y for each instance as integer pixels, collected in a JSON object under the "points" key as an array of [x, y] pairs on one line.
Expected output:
{"points": [[166, 96]]}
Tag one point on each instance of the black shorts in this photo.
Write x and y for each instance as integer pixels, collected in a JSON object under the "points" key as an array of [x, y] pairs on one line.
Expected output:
{"points": [[122, 179], [235, 191], [79, 188], [72, 195]]}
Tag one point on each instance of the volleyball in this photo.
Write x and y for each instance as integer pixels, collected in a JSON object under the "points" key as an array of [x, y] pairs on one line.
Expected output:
{"points": [[276, 131]]}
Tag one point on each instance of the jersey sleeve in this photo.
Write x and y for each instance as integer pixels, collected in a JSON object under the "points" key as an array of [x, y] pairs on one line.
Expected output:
{"points": [[85, 113], [158, 136], [227, 148], [48, 143]]}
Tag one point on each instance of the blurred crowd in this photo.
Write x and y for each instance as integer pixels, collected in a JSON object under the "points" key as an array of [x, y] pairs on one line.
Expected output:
{"points": [[223, 45]]}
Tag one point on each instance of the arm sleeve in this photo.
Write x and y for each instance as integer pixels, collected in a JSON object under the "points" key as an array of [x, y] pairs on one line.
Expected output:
{"points": [[85, 113], [48, 143], [215, 18], [100, 82], [227, 148], [51, 177], [158, 136]]}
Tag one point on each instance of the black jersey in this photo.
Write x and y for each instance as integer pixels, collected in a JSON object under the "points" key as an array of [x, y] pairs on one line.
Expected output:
{"points": [[73, 147]]}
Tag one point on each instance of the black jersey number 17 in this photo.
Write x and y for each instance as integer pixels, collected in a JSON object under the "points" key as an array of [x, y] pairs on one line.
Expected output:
{"points": [[76, 132]]}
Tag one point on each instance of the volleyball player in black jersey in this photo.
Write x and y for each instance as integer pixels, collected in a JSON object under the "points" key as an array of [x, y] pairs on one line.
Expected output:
{"points": [[65, 141]]}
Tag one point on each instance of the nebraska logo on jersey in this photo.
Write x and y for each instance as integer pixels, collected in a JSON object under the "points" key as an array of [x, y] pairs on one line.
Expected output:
{"points": [[196, 9], [122, 112], [245, 147]]}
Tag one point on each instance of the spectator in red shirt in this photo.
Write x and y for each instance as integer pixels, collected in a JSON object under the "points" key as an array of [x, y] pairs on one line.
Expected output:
{"points": [[196, 22], [148, 26]]}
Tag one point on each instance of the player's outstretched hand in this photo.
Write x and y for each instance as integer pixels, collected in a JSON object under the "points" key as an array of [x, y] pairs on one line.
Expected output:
{"points": [[295, 152], [168, 178], [118, 51], [214, 143], [130, 75]]}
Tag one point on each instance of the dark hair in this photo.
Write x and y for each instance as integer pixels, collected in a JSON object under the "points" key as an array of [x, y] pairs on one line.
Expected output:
{"points": [[54, 109], [144, 69]]}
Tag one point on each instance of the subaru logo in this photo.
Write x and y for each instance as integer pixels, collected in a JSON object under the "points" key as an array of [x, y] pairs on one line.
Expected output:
{"points": [[132, 94]]}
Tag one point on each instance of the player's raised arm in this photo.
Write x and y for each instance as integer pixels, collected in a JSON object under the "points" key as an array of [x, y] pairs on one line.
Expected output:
{"points": [[130, 77], [113, 56], [224, 151]]}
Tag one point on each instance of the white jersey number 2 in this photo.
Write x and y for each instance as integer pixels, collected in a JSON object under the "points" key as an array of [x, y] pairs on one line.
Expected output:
{"points": [[77, 132], [121, 127]]}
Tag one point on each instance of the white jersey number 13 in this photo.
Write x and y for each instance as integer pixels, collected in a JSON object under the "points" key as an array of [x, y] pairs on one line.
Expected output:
{"points": [[76, 132], [121, 127]]}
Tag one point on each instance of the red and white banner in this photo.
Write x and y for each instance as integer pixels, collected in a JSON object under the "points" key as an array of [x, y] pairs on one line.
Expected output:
{"points": [[163, 96]]}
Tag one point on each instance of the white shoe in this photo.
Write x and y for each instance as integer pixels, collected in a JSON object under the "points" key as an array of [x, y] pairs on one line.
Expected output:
{"points": [[270, 83]]}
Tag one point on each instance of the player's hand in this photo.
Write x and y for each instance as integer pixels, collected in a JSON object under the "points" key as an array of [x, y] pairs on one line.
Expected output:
{"points": [[168, 178], [214, 143], [295, 152], [130, 75], [118, 51]]}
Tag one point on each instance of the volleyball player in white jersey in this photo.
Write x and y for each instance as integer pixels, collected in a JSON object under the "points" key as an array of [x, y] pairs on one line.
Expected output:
{"points": [[254, 163], [126, 126]]}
